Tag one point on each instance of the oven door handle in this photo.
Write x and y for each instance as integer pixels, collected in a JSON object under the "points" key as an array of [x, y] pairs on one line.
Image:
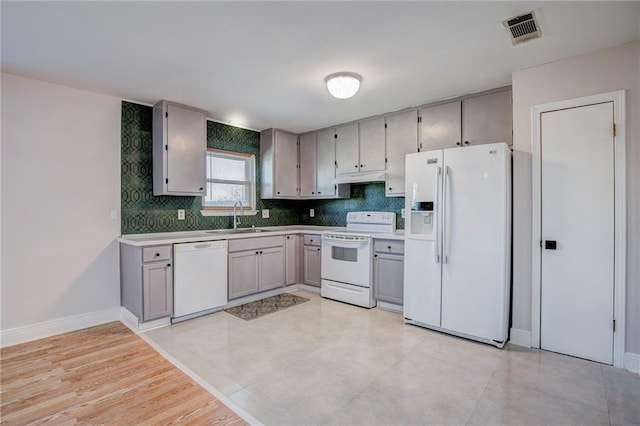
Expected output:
{"points": [[345, 240]]}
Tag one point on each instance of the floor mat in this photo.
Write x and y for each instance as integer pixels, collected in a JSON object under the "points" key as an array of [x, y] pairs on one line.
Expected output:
{"points": [[253, 310]]}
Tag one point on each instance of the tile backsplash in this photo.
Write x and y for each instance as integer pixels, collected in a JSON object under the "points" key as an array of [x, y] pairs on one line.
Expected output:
{"points": [[142, 212]]}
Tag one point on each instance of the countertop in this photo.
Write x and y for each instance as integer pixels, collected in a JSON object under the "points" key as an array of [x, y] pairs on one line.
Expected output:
{"points": [[141, 240]]}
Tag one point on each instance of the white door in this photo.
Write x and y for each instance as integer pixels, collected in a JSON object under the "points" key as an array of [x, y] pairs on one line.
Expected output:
{"points": [[475, 236], [577, 168]]}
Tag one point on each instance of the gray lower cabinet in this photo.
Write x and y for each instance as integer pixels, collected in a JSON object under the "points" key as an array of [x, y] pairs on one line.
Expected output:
{"points": [[243, 273], [255, 265], [291, 259], [311, 260], [388, 273], [146, 281]]}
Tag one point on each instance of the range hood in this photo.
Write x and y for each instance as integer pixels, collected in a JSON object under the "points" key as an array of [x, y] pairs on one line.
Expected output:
{"points": [[360, 178]]}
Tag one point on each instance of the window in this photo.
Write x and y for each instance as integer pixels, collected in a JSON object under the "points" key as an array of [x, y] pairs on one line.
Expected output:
{"points": [[230, 178]]}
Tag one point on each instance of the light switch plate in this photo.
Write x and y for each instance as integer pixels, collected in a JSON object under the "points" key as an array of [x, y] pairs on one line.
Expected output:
{"points": [[180, 214], [312, 213], [265, 214], [402, 213], [114, 215]]}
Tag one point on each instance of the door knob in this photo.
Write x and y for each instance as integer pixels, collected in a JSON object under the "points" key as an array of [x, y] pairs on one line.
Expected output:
{"points": [[550, 244]]}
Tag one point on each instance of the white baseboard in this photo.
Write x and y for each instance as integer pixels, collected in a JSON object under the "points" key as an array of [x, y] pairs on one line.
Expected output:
{"points": [[132, 322], [308, 288], [520, 338], [389, 307], [27, 333], [632, 362]]}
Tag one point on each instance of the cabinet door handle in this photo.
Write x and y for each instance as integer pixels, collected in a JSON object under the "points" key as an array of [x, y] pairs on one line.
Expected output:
{"points": [[157, 254], [466, 142], [256, 252], [201, 188], [318, 249], [356, 166], [361, 165], [168, 264], [458, 143], [375, 255], [389, 247], [260, 251], [319, 192]]}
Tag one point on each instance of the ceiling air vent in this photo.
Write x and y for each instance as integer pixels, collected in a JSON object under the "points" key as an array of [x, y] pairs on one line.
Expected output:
{"points": [[522, 28]]}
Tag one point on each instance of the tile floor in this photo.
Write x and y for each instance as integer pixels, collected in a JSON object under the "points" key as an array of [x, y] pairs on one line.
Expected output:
{"points": [[325, 362]]}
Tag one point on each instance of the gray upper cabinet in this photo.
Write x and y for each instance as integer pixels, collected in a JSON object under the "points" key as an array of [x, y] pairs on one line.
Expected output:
{"points": [[308, 165], [372, 145], [279, 164], [440, 126], [326, 167], [347, 160], [471, 121], [179, 149], [360, 147], [401, 139], [487, 119]]}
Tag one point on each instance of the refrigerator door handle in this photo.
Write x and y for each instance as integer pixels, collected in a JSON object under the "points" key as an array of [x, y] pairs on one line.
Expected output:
{"points": [[445, 223], [437, 194]]}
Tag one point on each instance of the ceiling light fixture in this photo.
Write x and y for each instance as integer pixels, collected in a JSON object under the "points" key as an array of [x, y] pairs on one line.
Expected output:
{"points": [[343, 85]]}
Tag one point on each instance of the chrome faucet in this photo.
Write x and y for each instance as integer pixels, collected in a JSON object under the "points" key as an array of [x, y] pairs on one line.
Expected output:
{"points": [[236, 221]]}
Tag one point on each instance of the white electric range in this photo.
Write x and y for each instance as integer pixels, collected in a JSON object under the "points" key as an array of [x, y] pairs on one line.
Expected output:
{"points": [[347, 258]]}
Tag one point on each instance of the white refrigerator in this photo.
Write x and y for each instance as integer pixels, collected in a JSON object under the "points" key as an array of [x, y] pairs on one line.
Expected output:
{"points": [[458, 241]]}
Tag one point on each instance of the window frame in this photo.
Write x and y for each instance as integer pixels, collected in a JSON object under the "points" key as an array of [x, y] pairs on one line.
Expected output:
{"points": [[250, 160]]}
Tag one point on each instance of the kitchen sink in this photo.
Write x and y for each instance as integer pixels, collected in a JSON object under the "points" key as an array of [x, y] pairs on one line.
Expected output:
{"points": [[238, 231]]}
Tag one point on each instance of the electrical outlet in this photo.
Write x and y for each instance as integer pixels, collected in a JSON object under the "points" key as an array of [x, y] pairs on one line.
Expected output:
{"points": [[180, 214], [265, 214], [312, 213], [402, 213]]}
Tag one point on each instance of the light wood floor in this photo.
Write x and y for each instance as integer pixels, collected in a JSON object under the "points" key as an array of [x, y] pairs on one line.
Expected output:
{"points": [[100, 375]]}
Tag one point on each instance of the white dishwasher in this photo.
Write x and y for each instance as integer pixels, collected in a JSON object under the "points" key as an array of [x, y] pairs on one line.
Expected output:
{"points": [[199, 278]]}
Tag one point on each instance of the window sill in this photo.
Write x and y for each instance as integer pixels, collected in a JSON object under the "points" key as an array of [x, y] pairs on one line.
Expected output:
{"points": [[227, 212]]}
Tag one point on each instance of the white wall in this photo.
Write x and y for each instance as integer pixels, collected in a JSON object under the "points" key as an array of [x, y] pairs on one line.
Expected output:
{"points": [[604, 71], [60, 181]]}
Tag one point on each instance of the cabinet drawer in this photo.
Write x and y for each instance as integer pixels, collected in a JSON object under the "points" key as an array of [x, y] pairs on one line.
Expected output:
{"points": [[388, 246], [255, 243], [151, 254], [312, 240]]}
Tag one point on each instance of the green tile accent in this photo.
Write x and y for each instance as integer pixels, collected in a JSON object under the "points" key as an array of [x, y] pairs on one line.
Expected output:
{"points": [[142, 212]]}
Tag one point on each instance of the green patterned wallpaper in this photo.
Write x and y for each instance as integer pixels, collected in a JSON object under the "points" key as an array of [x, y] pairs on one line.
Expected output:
{"points": [[364, 197], [142, 212]]}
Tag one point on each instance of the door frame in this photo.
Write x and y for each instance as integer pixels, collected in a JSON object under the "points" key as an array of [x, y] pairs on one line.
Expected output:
{"points": [[620, 213]]}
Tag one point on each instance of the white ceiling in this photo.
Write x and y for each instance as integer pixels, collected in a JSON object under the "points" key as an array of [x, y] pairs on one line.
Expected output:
{"points": [[264, 63]]}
